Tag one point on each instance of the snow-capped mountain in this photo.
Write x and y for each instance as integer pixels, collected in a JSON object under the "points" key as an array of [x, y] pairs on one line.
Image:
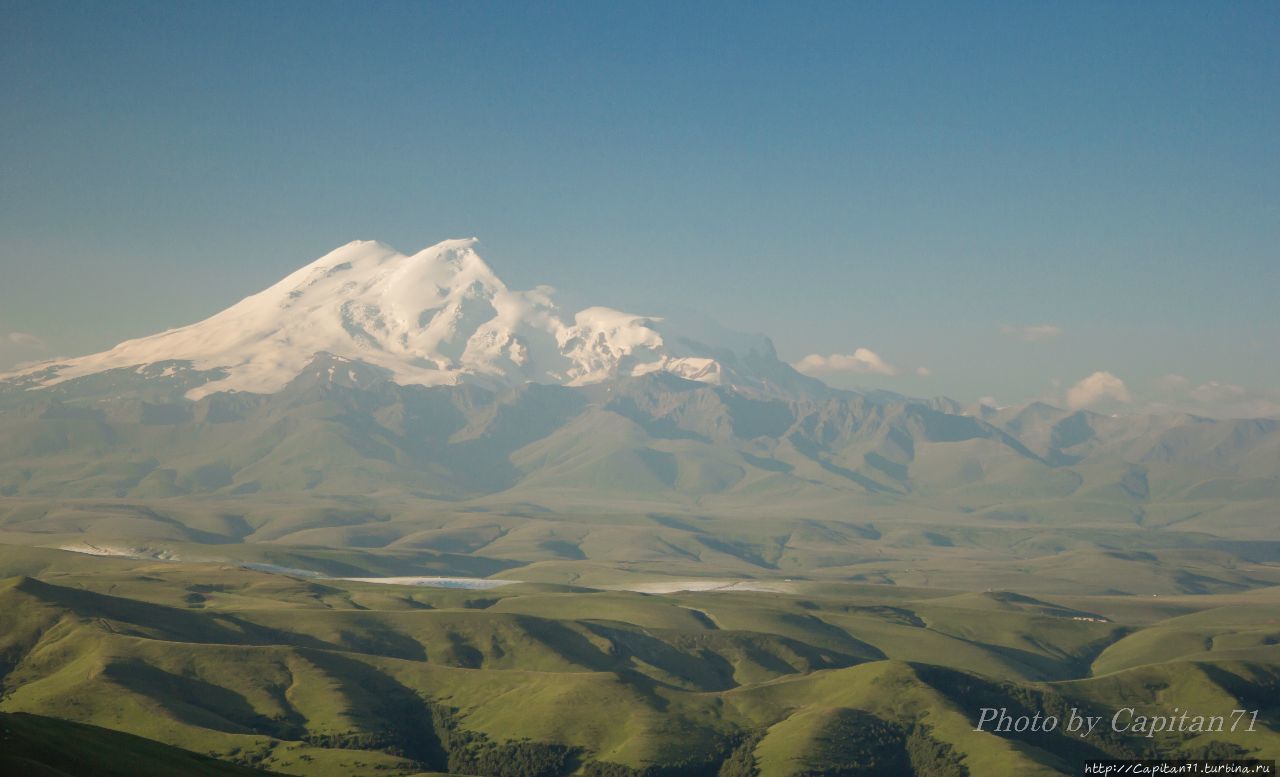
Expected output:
{"points": [[436, 317]]}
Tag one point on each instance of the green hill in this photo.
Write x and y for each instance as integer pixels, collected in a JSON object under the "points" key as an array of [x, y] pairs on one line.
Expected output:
{"points": [[36, 746], [327, 677]]}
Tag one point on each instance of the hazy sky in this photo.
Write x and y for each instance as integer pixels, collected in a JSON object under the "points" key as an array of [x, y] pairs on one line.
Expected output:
{"points": [[1012, 196]]}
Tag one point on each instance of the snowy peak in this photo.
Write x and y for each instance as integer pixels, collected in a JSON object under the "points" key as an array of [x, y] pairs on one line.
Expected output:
{"points": [[440, 316]]}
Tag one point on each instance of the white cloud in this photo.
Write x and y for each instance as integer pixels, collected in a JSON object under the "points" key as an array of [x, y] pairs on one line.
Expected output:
{"points": [[1171, 383], [1213, 391], [19, 348], [1033, 333], [1213, 398], [24, 340], [1231, 401], [863, 361], [924, 372], [1097, 387]]}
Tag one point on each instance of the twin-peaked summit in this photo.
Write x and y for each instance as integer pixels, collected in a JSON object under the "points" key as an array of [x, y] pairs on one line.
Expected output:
{"points": [[437, 317]]}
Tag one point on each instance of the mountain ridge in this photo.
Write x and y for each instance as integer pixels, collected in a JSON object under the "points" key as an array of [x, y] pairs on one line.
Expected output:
{"points": [[343, 427]]}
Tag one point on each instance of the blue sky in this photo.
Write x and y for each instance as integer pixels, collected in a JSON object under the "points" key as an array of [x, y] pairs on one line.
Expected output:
{"points": [[920, 180]]}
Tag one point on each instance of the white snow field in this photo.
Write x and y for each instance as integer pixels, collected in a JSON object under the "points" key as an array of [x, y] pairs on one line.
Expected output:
{"points": [[437, 317]]}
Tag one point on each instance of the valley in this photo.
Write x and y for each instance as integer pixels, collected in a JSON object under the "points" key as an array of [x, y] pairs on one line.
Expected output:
{"points": [[542, 643], [277, 540]]}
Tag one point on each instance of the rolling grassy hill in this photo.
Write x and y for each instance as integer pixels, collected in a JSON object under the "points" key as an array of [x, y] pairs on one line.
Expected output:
{"points": [[319, 676], [36, 746]]}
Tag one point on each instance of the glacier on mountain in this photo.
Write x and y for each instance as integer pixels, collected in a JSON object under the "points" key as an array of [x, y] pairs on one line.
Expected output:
{"points": [[437, 317]]}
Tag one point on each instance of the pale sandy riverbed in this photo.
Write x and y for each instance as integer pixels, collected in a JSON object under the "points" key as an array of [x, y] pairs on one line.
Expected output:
{"points": [[471, 583], [146, 554], [676, 586]]}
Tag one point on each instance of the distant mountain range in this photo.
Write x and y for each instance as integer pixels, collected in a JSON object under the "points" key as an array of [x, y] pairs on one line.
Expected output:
{"points": [[370, 370]]}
